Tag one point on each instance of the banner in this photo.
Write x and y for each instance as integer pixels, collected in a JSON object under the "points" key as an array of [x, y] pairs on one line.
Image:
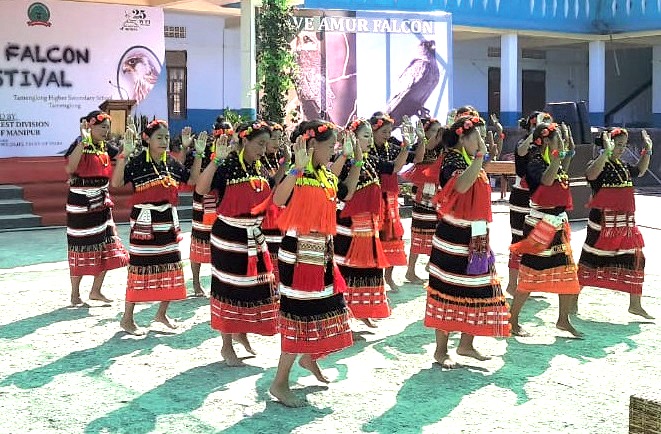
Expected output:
{"points": [[60, 60], [354, 63]]}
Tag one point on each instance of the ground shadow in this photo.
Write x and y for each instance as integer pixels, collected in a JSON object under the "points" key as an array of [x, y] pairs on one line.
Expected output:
{"points": [[98, 359], [26, 326], [431, 394], [181, 394]]}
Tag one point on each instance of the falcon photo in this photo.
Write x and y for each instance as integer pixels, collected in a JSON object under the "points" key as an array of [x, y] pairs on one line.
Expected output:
{"points": [[137, 73], [416, 84]]}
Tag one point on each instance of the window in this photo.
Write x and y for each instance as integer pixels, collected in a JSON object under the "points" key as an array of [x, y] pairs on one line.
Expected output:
{"points": [[175, 62], [176, 32]]}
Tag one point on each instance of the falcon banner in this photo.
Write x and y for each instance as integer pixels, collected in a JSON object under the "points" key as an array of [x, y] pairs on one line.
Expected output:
{"points": [[354, 63], [61, 59]]}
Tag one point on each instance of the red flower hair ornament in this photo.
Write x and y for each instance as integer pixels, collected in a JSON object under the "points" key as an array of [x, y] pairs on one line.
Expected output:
{"points": [[220, 132], [617, 131], [255, 126], [468, 125], [546, 132], [99, 118], [381, 122], [313, 132]]}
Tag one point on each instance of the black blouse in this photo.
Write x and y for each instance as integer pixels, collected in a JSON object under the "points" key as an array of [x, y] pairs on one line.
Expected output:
{"points": [[138, 171]]}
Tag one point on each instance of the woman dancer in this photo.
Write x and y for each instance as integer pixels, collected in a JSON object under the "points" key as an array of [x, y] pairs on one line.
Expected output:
{"points": [[93, 244], [387, 148], [243, 298], [155, 267], [612, 256], [464, 292], [358, 249], [520, 194], [425, 177], [547, 263], [204, 207], [274, 162], [314, 319]]}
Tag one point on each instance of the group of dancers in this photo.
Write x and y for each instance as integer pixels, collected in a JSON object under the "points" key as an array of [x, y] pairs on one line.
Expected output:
{"points": [[302, 229]]}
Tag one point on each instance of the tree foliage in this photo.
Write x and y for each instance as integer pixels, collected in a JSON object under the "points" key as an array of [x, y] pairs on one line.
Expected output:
{"points": [[275, 62]]}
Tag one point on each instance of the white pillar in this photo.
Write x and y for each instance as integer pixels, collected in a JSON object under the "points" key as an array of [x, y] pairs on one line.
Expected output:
{"points": [[656, 86], [510, 100], [597, 93], [248, 65]]}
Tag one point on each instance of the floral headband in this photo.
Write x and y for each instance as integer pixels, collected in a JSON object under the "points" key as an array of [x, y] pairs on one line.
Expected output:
{"points": [[532, 120], [151, 125], [468, 125], [546, 132], [256, 126], [428, 123], [219, 132], [99, 118], [313, 132], [463, 114], [353, 126], [382, 120], [617, 131]]}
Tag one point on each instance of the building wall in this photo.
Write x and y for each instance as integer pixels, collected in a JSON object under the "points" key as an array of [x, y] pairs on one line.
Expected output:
{"points": [[566, 72], [631, 71], [204, 44]]}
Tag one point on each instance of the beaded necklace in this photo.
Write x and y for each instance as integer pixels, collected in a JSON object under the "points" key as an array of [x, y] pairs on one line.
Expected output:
{"points": [[100, 151], [166, 181], [256, 182], [325, 183]]}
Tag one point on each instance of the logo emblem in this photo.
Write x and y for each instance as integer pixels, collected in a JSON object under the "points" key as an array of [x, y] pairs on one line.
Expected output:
{"points": [[39, 15], [134, 19]]}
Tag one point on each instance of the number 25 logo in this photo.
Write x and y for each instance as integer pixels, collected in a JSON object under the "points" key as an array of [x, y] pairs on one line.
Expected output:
{"points": [[139, 14]]}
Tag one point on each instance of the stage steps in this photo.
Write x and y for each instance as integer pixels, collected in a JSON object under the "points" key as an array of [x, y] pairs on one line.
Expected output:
{"points": [[15, 211]]}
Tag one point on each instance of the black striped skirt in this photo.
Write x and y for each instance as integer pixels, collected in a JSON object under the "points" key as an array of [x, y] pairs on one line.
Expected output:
{"points": [[92, 240], [519, 209], [155, 268], [553, 270], [314, 318], [204, 214], [456, 300], [619, 270], [243, 295], [366, 293]]}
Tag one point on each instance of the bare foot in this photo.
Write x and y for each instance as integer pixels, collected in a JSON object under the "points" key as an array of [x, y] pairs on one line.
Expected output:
{"points": [[199, 292], [230, 357], [132, 328], [76, 301], [368, 322], [413, 278], [100, 297], [445, 361], [640, 312], [517, 330], [286, 397], [472, 353], [242, 338], [392, 285], [166, 321], [567, 327], [312, 366]]}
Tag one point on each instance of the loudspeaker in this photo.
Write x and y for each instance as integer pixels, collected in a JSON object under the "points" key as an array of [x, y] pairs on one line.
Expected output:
{"points": [[568, 112], [580, 193], [584, 117]]}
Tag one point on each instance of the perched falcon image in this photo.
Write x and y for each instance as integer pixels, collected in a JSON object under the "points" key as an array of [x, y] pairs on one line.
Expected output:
{"points": [[139, 69], [417, 82], [309, 81]]}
